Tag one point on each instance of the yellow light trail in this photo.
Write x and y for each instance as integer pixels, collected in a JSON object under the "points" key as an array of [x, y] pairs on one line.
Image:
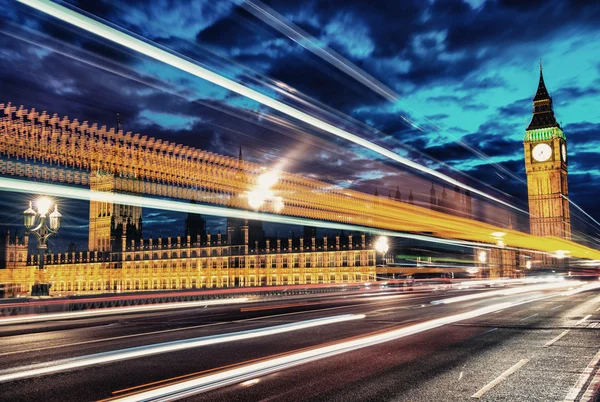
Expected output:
{"points": [[476, 233], [187, 65]]}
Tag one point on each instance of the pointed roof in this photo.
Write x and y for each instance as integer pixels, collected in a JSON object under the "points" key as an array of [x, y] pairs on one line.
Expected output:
{"points": [[542, 92], [398, 195], [240, 157], [543, 113]]}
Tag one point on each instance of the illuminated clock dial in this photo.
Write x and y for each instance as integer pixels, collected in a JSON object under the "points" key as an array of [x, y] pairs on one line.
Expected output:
{"points": [[541, 152], [563, 150]]}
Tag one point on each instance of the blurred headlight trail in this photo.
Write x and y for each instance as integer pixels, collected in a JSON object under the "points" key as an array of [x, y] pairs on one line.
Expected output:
{"points": [[167, 347], [584, 288], [116, 310], [184, 64], [525, 289], [250, 371]]}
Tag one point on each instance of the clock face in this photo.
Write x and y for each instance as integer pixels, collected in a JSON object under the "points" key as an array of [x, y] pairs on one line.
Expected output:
{"points": [[563, 151], [541, 152]]}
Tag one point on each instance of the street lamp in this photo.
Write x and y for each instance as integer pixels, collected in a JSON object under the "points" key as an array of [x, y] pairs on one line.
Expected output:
{"points": [[41, 224], [482, 257], [382, 246]]}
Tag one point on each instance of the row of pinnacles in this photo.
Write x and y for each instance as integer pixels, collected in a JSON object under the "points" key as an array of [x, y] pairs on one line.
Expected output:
{"points": [[14, 249], [454, 202]]}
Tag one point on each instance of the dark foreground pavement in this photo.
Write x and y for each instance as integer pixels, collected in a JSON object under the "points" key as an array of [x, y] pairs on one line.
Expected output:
{"points": [[520, 353]]}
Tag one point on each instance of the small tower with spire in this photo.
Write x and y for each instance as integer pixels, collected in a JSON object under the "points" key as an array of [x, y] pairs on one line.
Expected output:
{"points": [[398, 195]]}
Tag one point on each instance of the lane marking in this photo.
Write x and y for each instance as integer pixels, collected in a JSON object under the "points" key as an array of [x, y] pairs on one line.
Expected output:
{"points": [[553, 341], [554, 308], [583, 378], [583, 319], [499, 379], [166, 347], [591, 390], [532, 315]]}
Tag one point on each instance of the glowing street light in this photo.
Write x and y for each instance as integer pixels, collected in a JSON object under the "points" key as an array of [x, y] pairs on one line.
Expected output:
{"points": [[382, 246], [528, 265], [41, 224], [482, 257], [560, 254]]}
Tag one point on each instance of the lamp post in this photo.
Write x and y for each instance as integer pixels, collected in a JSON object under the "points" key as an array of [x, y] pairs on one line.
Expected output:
{"points": [[42, 225], [382, 246]]}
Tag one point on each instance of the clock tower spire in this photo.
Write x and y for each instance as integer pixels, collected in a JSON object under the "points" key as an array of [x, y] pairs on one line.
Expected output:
{"points": [[546, 166]]}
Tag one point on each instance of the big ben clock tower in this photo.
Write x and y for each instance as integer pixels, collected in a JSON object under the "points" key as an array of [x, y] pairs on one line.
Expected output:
{"points": [[546, 167]]}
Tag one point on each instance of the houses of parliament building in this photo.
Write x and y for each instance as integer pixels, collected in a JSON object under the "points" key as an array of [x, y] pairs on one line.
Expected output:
{"points": [[119, 258]]}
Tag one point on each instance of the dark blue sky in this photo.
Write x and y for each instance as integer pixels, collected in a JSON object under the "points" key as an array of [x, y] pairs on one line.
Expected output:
{"points": [[465, 72]]}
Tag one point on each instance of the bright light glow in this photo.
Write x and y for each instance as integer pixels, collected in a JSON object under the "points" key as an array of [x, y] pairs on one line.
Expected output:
{"points": [[507, 292], [382, 245], [498, 234], [117, 310], [472, 270], [584, 288], [528, 264], [128, 41], [168, 347], [43, 205], [560, 254], [482, 257], [278, 204], [268, 179], [233, 376], [256, 199], [263, 193]]}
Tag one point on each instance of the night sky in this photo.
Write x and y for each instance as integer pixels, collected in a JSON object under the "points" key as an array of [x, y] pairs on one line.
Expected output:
{"points": [[465, 73]]}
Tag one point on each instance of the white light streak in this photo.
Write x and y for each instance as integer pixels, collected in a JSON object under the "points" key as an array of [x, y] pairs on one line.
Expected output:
{"points": [[241, 374], [187, 65], [507, 292], [167, 347], [28, 187], [116, 310], [584, 288]]}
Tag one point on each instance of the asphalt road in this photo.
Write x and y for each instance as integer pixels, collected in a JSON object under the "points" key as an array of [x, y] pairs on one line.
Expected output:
{"points": [[455, 361]]}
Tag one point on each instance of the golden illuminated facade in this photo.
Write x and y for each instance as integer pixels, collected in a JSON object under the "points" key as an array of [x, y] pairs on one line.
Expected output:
{"points": [[186, 263], [546, 167], [41, 147]]}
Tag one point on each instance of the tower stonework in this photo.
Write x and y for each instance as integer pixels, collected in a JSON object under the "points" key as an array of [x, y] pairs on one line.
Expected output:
{"points": [[111, 223], [545, 147]]}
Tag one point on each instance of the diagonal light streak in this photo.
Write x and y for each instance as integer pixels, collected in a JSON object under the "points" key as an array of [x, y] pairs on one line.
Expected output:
{"points": [[185, 64], [233, 376], [310, 43], [167, 347], [116, 310], [22, 186]]}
